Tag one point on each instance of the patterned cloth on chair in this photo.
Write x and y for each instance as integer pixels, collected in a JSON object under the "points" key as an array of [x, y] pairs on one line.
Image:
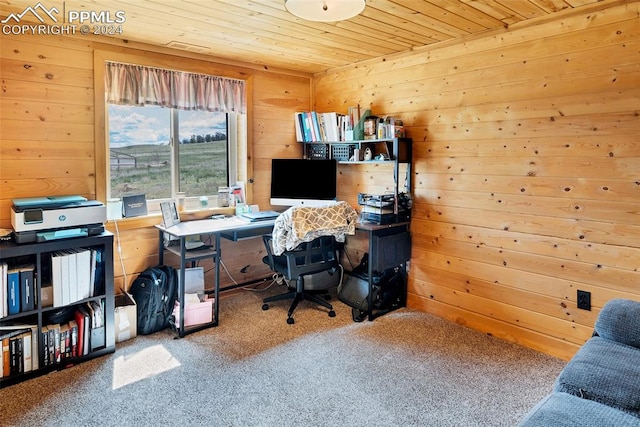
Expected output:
{"points": [[304, 223]]}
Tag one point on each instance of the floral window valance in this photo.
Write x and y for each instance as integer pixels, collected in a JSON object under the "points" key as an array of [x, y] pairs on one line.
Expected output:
{"points": [[128, 84]]}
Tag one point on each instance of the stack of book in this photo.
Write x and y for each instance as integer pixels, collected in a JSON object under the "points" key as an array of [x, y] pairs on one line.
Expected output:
{"points": [[381, 209], [318, 127], [312, 126], [17, 289], [19, 349], [61, 342], [75, 275]]}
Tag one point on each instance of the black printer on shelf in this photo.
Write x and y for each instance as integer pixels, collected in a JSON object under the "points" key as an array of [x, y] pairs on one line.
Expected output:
{"points": [[41, 219]]}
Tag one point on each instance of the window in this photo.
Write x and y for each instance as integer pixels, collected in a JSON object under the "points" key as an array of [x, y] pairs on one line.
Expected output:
{"points": [[171, 131], [144, 160]]}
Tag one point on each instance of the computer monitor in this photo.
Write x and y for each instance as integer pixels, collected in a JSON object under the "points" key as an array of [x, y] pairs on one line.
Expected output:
{"points": [[302, 182]]}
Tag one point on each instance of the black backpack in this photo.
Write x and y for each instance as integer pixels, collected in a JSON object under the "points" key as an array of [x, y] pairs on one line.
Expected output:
{"points": [[155, 291]]}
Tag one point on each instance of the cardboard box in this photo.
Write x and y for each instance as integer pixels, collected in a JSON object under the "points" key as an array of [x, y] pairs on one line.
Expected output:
{"points": [[194, 313], [46, 296], [126, 323]]}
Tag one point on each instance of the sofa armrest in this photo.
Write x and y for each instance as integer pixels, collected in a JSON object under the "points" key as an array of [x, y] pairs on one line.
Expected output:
{"points": [[619, 320]]}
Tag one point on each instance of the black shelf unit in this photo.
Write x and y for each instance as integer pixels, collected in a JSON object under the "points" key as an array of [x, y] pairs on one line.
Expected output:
{"points": [[39, 254], [396, 151], [389, 245]]}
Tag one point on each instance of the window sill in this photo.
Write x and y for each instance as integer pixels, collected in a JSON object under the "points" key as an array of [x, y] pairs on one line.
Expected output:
{"points": [[153, 219]]}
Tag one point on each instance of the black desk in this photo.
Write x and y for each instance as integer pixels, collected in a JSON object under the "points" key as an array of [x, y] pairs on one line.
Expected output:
{"points": [[231, 228]]}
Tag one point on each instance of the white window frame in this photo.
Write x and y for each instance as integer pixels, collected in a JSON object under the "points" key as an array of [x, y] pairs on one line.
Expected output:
{"points": [[242, 134]]}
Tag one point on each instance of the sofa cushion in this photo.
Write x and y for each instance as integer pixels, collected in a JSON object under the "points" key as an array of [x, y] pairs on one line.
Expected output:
{"points": [[619, 320], [565, 410], [604, 371]]}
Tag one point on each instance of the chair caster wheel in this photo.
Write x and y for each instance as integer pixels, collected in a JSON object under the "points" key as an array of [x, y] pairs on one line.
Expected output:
{"points": [[290, 321], [332, 313], [265, 306]]}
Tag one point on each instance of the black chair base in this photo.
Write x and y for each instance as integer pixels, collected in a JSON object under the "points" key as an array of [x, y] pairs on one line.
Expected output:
{"points": [[316, 263], [297, 298]]}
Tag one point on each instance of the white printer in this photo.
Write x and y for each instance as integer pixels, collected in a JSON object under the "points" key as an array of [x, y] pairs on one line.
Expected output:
{"points": [[40, 219]]}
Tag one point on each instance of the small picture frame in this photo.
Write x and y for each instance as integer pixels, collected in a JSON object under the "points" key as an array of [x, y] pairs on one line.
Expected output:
{"points": [[133, 206], [170, 215], [237, 194]]}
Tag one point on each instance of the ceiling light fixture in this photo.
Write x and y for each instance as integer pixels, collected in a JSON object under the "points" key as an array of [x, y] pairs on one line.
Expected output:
{"points": [[325, 10]]}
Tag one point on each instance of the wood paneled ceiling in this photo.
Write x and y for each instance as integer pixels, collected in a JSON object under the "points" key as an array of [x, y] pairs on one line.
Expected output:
{"points": [[263, 33]]}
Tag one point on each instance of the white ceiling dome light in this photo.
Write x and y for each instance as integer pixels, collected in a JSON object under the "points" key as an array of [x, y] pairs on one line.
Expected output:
{"points": [[325, 10]]}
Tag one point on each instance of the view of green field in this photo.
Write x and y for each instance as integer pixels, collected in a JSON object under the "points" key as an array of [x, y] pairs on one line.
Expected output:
{"points": [[146, 169]]}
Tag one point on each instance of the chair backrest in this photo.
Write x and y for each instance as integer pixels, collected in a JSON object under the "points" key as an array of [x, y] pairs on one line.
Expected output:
{"points": [[305, 223], [310, 257]]}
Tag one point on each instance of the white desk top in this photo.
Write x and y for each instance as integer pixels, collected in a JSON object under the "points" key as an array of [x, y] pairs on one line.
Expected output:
{"points": [[210, 226]]}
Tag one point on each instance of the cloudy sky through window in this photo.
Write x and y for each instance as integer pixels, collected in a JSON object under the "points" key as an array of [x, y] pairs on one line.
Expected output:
{"points": [[130, 125]]}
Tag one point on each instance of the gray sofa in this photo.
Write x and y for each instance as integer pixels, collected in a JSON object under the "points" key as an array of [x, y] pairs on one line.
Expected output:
{"points": [[600, 386]]}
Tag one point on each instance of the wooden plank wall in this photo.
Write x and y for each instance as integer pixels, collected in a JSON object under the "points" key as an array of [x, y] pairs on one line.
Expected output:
{"points": [[527, 171], [526, 162], [48, 147]]}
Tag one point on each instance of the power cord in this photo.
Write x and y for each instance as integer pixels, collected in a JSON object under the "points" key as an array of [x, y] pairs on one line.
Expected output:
{"points": [[124, 271]]}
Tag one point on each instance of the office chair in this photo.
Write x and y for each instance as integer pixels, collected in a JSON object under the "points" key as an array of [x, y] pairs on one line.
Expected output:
{"points": [[309, 269]]}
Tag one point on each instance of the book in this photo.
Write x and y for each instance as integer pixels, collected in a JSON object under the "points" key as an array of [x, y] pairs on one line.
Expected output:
{"points": [[28, 333], [98, 273], [306, 127], [83, 273], [70, 289], [298, 126], [27, 288], [61, 341], [15, 355], [65, 342], [56, 278], [13, 290], [6, 359], [73, 330], [54, 343], [26, 345], [4, 308], [86, 344], [80, 325], [9, 346], [316, 127], [44, 354]]}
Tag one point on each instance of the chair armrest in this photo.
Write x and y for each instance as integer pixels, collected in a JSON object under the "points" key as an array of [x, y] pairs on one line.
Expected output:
{"points": [[619, 320]]}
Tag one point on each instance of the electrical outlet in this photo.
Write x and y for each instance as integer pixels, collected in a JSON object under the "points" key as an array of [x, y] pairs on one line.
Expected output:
{"points": [[584, 300]]}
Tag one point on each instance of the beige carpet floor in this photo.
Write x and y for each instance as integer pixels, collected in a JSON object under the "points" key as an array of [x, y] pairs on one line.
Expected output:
{"points": [[403, 369]]}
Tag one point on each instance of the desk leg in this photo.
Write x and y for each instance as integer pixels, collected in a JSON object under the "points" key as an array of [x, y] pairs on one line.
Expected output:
{"points": [[160, 247], [370, 278], [181, 286], [216, 293]]}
